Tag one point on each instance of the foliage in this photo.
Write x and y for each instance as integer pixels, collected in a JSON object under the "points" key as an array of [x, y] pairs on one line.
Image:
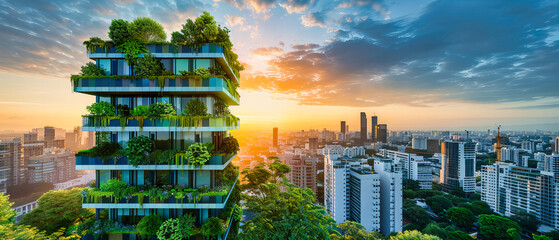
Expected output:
{"points": [[410, 184], [161, 109], [228, 175], [170, 229], [221, 108], [140, 111], [7, 214], [148, 65], [352, 231], [202, 72], [212, 227], [137, 150], [56, 210], [411, 227], [105, 150], [435, 230], [149, 225], [230, 145], [237, 213], [94, 42], [540, 237], [413, 235], [90, 69], [527, 221], [147, 30], [417, 215], [255, 177], [131, 50], [278, 170], [410, 194], [101, 109], [187, 225], [458, 235], [438, 203], [461, 216], [119, 31], [428, 193], [12, 231], [197, 154], [195, 107], [495, 227]]}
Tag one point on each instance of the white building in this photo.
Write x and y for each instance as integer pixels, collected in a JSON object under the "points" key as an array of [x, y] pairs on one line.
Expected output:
{"points": [[510, 155], [354, 151], [412, 166], [333, 150], [557, 145], [458, 166], [419, 143], [529, 146], [354, 192]]}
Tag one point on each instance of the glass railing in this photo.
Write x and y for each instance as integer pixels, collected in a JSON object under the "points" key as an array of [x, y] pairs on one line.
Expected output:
{"points": [[168, 48], [123, 161], [179, 121]]}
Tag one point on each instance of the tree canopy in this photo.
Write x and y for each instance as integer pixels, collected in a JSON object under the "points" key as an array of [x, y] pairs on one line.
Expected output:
{"points": [[496, 227]]}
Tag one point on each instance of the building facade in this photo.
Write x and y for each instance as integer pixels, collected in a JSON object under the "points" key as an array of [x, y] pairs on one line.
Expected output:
{"points": [[458, 166], [303, 172], [11, 161], [412, 167], [374, 123], [363, 133], [381, 133], [54, 166]]}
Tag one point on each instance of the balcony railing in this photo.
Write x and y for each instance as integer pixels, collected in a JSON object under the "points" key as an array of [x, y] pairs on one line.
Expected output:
{"points": [[95, 163], [168, 48], [172, 123], [164, 84]]}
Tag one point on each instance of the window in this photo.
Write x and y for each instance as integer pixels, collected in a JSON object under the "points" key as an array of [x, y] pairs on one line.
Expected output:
{"points": [[106, 65], [168, 64], [182, 65], [202, 63]]}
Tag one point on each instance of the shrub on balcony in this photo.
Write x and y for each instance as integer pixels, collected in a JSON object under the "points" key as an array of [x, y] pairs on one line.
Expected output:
{"points": [[101, 109], [90, 69], [161, 109], [131, 49], [138, 150], [202, 72], [212, 227], [147, 30], [195, 107], [221, 109], [197, 154], [230, 145], [140, 111], [149, 225], [148, 65], [105, 150], [119, 31]]}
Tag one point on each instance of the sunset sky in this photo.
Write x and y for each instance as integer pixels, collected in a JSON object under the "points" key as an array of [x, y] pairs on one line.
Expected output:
{"points": [[310, 64]]}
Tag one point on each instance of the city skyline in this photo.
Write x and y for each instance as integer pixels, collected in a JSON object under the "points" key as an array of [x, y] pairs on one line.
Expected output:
{"points": [[408, 74]]}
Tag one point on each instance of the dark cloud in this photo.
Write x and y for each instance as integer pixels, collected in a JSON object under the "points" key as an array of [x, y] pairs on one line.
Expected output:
{"points": [[45, 37], [473, 51], [307, 46]]}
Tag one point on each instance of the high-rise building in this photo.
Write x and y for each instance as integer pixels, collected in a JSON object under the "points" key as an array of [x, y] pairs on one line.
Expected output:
{"points": [[552, 164], [303, 172], [54, 166], [342, 127], [30, 149], [374, 123], [381, 133], [30, 137], [169, 133], [363, 136], [10, 161], [511, 155], [510, 189], [419, 143], [433, 146], [313, 145], [529, 146], [412, 166], [557, 145], [458, 165], [354, 152], [49, 136], [275, 137], [353, 191]]}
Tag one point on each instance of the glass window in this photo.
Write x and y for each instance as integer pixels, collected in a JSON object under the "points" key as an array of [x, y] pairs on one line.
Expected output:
{"points": [[181, 65], [106, 65], [168, 64], [163, 177], [149, 177], [202, 63]]}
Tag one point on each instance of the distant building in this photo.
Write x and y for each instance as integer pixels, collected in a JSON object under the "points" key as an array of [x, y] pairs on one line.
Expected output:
{"points": [[313, 145], [374, 123], [303, 172], [419, 143], [363, 136], [54, 166], [49, 136], [552, 164], [333, 150], [433, 146], [354, 152], [343, 130], [381, 133], [529, 146], [30, 137], [557, 145], [30, 149], [458, 166], [10, 161], [511, 155], [412, 167], [275, 138]]}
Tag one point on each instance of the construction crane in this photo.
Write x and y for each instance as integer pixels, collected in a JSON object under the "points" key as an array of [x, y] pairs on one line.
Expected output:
{"points": [[498, 147]]}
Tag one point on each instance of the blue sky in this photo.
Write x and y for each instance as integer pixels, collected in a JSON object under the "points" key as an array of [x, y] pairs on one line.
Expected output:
{"points": [[418, 64]]}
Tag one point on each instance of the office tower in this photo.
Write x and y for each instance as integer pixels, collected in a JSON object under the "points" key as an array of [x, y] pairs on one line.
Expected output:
{"points": [[363, 133], [275, 140], [10, 160], [419, 143], [55, 166], [381, 133], [303, 172], [556, 145], [509, 189], [170, 136], [353, 191], [342, 127], [30, 137], [458, 166], [433, 146], [374, 123], [412, 167], [49, 136]]}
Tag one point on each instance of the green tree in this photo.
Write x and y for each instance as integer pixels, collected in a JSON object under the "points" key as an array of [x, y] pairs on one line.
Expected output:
{"points": [[417, 215], [278, 170], [213, 227], [57, 210], [540, 237], [438, 203], [495, 227], [413, 235], [410, 184], [101, 109], [461, 216], [119, 31], [435, 230], [148, 65], [90, 69], [8, 230], [409, 194], [527, 221], [197, 154], [230, 145], [137, 150], [458, 235], [352, 231], [149, 225], [428, 193], [195, 107], [147, 30], [161, 109]]}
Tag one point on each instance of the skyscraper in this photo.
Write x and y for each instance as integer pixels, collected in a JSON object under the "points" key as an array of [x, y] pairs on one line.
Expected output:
{"points": [[363, 136], [159, 146], [381, 133], [49, 136], [275, 140], [557, 144], [10, 161], [342, 127], [458, 166], [374, 123]]}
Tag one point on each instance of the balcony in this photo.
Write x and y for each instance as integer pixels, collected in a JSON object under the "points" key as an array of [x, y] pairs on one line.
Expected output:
{"points": [[169, 123], [94, 163], [168, 51], [205, 202], [170, 84]]}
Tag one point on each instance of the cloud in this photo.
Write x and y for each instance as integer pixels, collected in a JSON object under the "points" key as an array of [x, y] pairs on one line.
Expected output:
{"points": [[234, 20], [296, 6], [45, 37], [271, 51], [313, 19], [258, 6], [474, 51], [307, 46]]}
